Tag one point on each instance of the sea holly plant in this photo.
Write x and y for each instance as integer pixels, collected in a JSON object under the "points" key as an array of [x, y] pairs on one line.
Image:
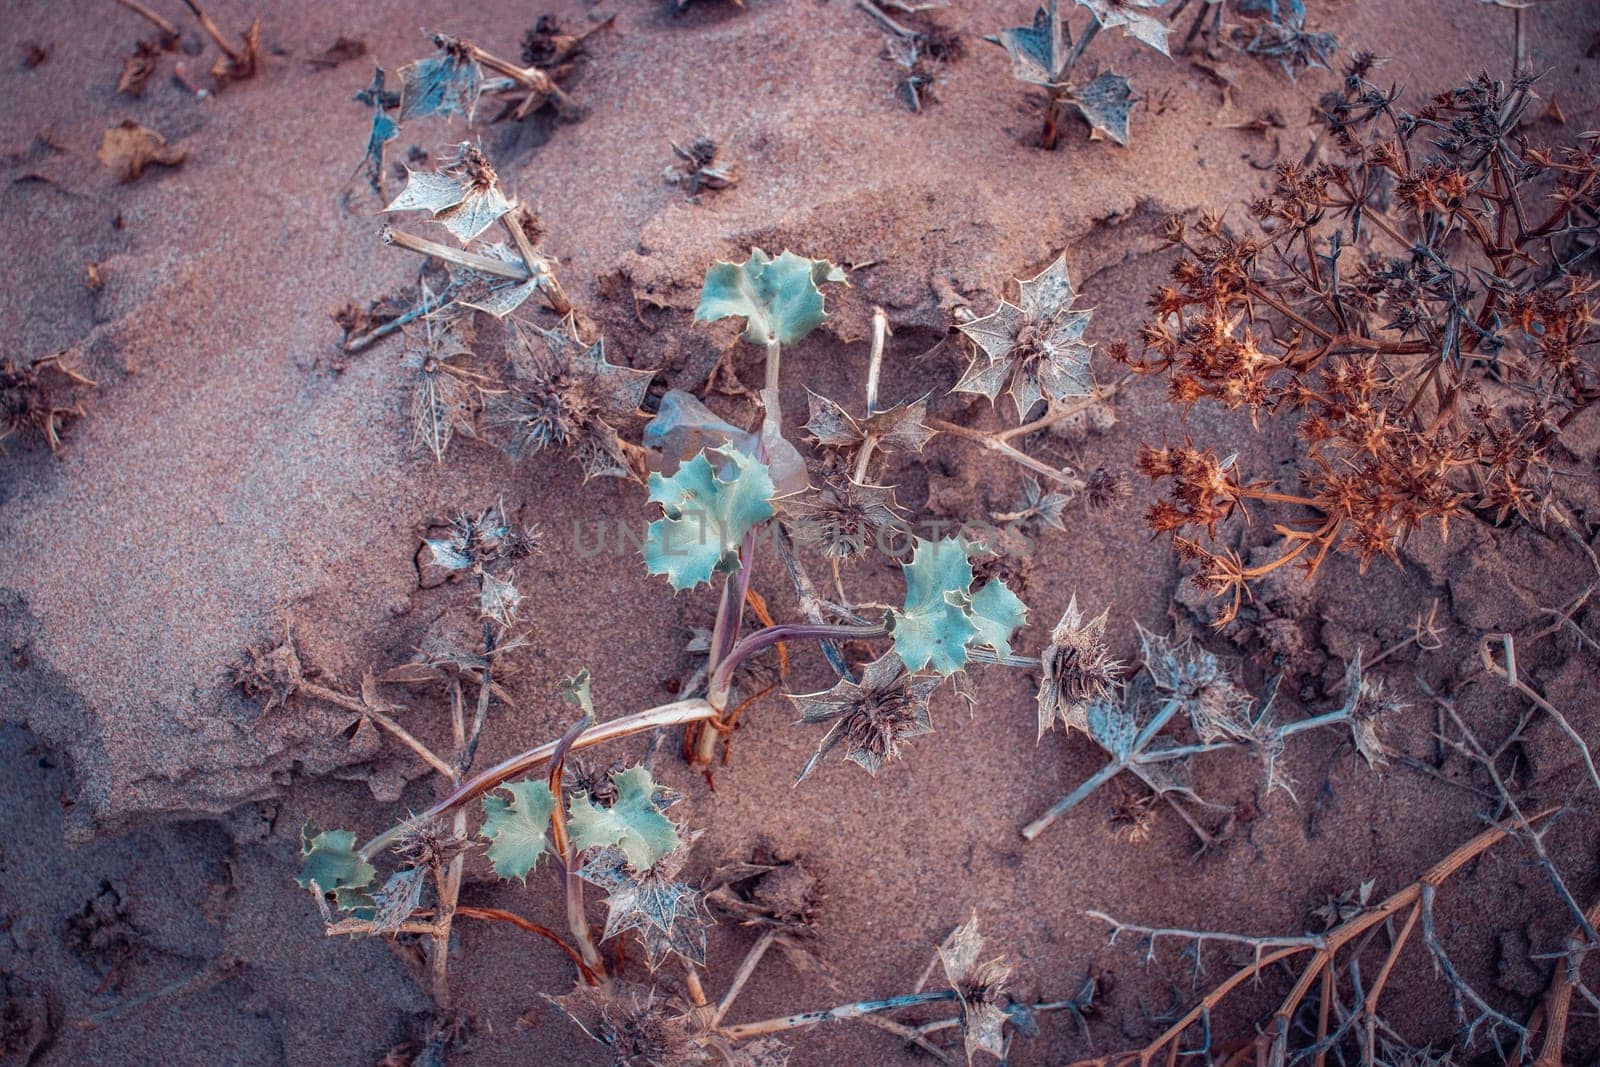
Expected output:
{"points": [[497, 277], [1043, 54], [707, 516], [1179, 683]]}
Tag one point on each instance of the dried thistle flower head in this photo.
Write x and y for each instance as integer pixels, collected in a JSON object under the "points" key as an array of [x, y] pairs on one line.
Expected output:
{"points": [[845, 518], [640, 1027], [1078, 669], [1217, 708], [700, 166], [871, 717], [981, 985], [475, 541], [269, 674], [1366, 703], [566, 395], [1036, 345]]}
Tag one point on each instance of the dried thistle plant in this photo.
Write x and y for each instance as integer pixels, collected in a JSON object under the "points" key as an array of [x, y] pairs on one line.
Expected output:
{"points": [[36, 397], [565, 394], [1426, 328], [701, 166]]}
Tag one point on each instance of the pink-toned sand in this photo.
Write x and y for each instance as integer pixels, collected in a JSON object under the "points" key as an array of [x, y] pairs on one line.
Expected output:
{"points": [[235, 469]]}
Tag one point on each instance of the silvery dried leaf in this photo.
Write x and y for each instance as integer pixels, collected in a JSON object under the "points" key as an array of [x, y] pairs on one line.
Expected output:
{"points": [[496, 295], [981, 986], [639, 1027], [1037, 344], [1104, 104], [897, 429], [498, 600], [463, 193], [1134, 22], [398, 898], [445, 395], [669, 916], [446, 83]]}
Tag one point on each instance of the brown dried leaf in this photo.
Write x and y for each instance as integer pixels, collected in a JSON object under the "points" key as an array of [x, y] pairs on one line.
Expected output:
{"points": [[128, 148]]}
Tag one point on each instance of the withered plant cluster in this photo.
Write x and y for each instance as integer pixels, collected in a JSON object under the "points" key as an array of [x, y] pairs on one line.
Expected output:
{"points": [[1421, 303]]}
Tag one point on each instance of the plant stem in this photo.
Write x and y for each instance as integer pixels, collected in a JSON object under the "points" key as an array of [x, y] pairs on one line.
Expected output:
{"points": [[167, 29], [577, 921], [1104, 774], [679, 713], [994, 444], [745, 1031], [742, 975], [424, 307], [499, 268], [722, 677], [213, 30]]}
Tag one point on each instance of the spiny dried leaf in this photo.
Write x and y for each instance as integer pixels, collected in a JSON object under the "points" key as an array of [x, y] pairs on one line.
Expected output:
{"points": [[897, 429], [128, 148], [634, 821], [669, 916], [981, 985], [498, 599], [399, 897], [1077, 670], [516, 828], [463, 193], [1104, 104], [700, 167], [331, 864], [870, 717], [446, 83], [496, 295], [707, 516], [476, 540], [445, 396], [1134, 22], [779, 299], [1037, 345]]}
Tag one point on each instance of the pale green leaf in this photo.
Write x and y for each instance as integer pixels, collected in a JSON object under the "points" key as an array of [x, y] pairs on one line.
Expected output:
{"points": [[707, 516], [575, 691], [934, 628], [634, 823], [779, 299], [516, 827], [331, 864], [996, 612]]}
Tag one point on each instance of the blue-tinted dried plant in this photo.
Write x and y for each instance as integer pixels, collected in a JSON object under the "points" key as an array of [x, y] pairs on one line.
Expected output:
{"points": [[462, 193], [1268, 29], [1178, 683], [1043, 54]]}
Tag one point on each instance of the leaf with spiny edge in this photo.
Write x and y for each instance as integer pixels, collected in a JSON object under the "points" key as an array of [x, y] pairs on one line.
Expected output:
{"points": [[331, 864], [942, 618], [516, 827], [634, 823], [463, 193], [1104, 104], [707, 516], [444, 84], [779, 299]]}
